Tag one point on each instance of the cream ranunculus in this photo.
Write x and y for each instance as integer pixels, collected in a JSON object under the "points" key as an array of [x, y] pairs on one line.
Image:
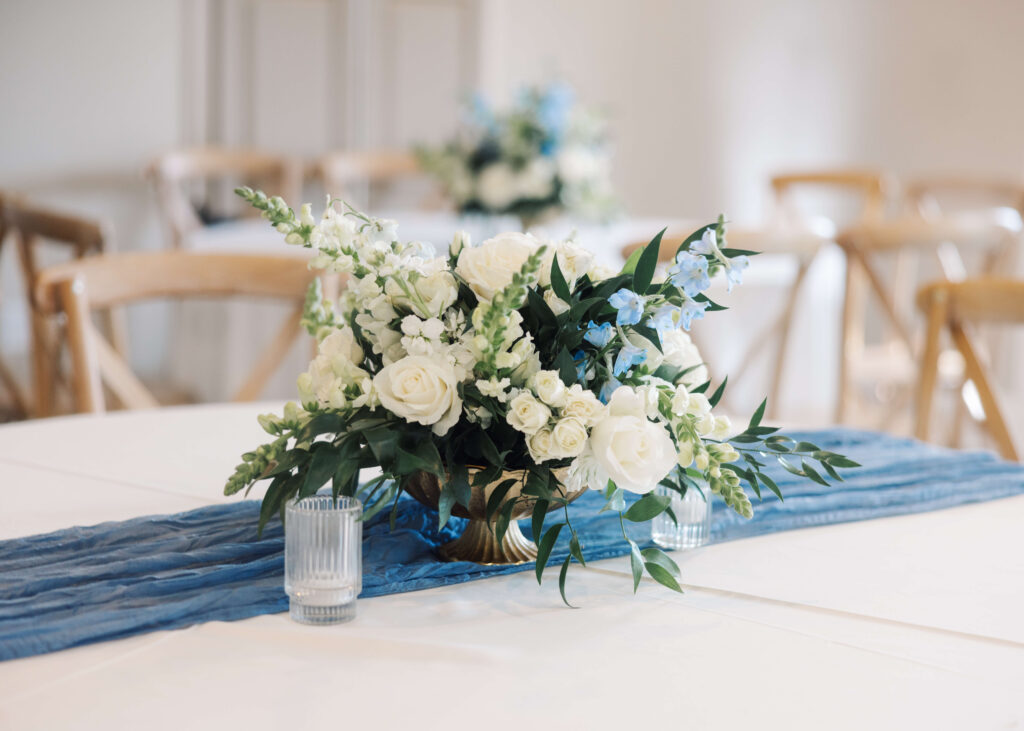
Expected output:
{"points": [[527, 414], [569, 437], [635, 453], [549, 387], [583, 404], [420, 389], [488, 268]]}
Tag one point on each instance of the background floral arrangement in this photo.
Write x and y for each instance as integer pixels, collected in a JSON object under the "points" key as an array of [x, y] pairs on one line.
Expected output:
{"points": [[517, 354], [542, 155]]}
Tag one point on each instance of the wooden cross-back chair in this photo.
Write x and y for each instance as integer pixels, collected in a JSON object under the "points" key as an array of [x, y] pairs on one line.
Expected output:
{"points": [[97, 283], [173, 172], [345, 171], [18, 402], [908, 241], [32, 226], [955, 307]]}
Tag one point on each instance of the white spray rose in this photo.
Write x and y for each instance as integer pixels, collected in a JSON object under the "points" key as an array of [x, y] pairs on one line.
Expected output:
{"points": [[583, 404], [549, 387], [420, 389], [541, 445], [634, 452], [569, 437], [488, 268], [527, 414]]}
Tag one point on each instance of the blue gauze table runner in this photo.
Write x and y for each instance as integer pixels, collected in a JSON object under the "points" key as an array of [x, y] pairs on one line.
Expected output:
{"points": [[83, 585]]}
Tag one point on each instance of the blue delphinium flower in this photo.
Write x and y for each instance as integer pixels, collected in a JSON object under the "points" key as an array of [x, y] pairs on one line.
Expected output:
{"points": [[665, 318], [608, 389], [599, 335], [734, 270], [580, 359], [630, 306], [691, 311], [690, 273], [629, 356], [708, 245]]}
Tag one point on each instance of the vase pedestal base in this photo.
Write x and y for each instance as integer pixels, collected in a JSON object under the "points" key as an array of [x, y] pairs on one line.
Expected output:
{"points": [[479, 544]]}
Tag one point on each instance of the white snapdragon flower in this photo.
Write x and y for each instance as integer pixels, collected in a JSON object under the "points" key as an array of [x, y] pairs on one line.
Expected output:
{"points": [[527, 414], [494, 388], [421, 389], [549, 387], [488, 268], [722, 428], [529, 360]]}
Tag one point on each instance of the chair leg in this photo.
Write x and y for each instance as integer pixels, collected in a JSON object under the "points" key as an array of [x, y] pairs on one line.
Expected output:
{"points": [[994, 421], [851, 332], [937, 310]]}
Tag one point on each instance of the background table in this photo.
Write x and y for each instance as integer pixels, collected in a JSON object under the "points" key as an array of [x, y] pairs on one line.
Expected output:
{"points": [[909, 622]]}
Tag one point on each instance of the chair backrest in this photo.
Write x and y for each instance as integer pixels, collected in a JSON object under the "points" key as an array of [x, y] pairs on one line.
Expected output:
{"points": [[97, 283], [954, 307], [348, 174], [173, 172], [867, 188], [937, 195]]}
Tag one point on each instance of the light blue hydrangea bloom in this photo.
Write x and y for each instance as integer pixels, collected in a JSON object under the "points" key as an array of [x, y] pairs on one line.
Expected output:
{"points": [[630, 306], [692, 311], [629, 356], [599, 335], [690, 273]]}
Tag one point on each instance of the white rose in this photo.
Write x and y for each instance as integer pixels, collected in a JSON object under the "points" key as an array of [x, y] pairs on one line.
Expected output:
{"points": [[527, 414], [420, 389], [549, 387], [342, 344], [580, 164], [573, 260], [680, 352], [583, 404], [556, 303], [569, 436], [496, 186], [488, 268], [635, 453], [390, 345], [541, 445]]}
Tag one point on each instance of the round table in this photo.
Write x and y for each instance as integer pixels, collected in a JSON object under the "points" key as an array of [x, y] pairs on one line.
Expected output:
{"points": [[908, 622]]}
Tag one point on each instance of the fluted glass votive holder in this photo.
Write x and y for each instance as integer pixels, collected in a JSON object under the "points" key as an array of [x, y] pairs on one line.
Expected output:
{"points": [[323, 558], [693, 518]]}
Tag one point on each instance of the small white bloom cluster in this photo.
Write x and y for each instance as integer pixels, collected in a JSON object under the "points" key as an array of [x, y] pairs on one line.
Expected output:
{"points": [[555, 418]]}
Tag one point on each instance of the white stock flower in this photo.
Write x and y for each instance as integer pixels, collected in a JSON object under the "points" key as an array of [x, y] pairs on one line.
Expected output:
{"points": [[494, 388], [341, 344], [722, 428], [420, 389], [569, 436], [496, 186], [634, 452], [583, 404], [549, 387], [680, 400], [527, 414], [488, 268]]}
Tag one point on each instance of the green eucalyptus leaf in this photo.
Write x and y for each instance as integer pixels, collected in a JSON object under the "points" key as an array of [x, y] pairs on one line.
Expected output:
{"points": [[544, 546], [540, 511], [755, 420], [445, 503], [647, 507], [719, 392], [561, 580], [636, 562], [558, 283], [576, 550], [498, 496], [659, 557], [646, 264], [662, 576], [321, 468]]}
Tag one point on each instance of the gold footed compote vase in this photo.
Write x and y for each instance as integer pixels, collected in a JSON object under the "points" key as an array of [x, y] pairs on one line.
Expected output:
{"points": [[478, 542]]}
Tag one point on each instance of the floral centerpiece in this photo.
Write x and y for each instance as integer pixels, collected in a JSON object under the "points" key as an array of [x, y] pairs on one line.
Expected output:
{"points": [[501, 381], [541, 156]]}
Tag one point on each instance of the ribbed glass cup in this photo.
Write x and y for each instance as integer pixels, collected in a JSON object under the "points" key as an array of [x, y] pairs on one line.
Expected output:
{"points": [[323, 558], [693, 516]]}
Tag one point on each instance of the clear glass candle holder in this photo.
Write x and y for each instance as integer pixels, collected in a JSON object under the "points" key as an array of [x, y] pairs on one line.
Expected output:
{"points": [[323, 558], [693, 519]]}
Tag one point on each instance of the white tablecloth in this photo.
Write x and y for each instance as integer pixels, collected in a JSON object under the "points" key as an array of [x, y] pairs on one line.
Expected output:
{"points": [[902, 623]]}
